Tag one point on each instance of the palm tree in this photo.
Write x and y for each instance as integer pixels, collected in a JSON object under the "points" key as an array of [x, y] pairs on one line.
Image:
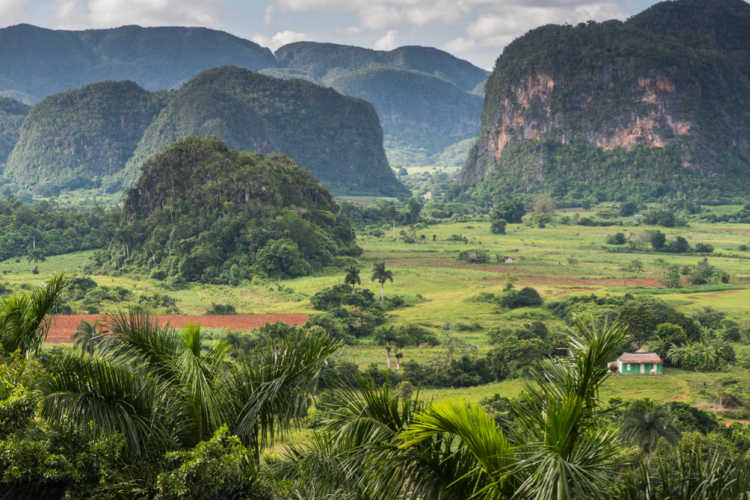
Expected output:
{"points": [[24, 321], [87, 336], [645, 423], [162, 389], [380, 273], [352, 277], [399, 355], [563, 451]]}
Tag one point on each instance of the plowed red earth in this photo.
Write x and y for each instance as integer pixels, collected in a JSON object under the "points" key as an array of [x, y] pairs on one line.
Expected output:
{"points": [[64, 326]]}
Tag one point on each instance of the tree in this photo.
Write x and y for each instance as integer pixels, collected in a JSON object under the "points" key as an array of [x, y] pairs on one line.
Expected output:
{"points": [[498, 226], [381, 274], [564, 450], [36, 255], [352, 277], [544, 205], [645, 424], [23, 318], [509, 210], [87, 336], [161, 389]]}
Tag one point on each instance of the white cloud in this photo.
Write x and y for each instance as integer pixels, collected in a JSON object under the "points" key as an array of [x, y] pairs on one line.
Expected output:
{"points": [[107, 13], [387, 41], [279, 39], [12, 11]]}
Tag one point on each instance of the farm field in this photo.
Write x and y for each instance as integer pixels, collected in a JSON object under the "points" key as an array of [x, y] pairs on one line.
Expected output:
{"points": [[558, 260]]}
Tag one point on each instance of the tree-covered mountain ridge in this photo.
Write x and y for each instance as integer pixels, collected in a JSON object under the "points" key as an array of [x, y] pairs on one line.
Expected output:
{"points": [[100, 136], [656, 99]]}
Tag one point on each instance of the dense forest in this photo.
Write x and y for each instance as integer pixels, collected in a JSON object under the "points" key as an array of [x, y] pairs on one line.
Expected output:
{"points": [[12, 114], [203, 212]]}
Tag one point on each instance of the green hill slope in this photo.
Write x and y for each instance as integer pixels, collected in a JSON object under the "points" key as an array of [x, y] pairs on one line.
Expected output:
{"points": [[338, 138], [39, 62], [12, 114], [203, 212], [81, 138], [650, 107]]}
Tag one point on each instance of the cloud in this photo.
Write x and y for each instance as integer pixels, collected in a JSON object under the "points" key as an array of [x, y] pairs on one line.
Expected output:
{"points": [[107, 13], [12, 11], [279, 39], [387, 41]]}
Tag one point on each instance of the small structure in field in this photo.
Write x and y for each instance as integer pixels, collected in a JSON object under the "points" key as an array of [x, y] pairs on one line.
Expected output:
{"points": [[638, 362], [508, 260]]}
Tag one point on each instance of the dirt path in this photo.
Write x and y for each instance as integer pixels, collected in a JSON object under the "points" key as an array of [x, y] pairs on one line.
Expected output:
{"points": [[64, 326]]}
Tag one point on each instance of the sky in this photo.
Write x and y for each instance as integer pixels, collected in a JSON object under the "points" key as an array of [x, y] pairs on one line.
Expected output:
{"points": [[476, 30]]}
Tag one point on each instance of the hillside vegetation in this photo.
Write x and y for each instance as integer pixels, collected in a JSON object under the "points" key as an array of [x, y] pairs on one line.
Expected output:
{"points": [[338, 138], [81, 138], [639, 107], [12, 113], [203, 212], [99, 136]]}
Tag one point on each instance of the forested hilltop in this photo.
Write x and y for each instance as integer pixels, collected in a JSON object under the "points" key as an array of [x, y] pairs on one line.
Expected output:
{"points": [[37, 62], [650, 107], [203, 212], [100, 135]]}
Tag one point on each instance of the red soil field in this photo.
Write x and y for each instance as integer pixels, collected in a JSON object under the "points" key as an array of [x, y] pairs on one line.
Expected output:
{"points": [[64, 326]]}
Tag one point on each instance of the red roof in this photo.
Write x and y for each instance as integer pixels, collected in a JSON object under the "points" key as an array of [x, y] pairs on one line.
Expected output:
{"points": [[639, 357]]}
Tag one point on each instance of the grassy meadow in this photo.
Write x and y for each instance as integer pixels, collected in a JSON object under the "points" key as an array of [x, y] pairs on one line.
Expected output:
{"points": [[558, 260]]}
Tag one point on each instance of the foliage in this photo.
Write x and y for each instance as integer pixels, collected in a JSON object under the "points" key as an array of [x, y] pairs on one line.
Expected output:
{"points": [[526, 297], [51, 231], [202, 212]]}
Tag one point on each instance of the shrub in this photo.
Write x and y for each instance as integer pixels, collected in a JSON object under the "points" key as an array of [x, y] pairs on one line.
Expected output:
{"points": [[474, 256], [616, 239], [526, 297], [498, 226], [221, 309], [704, 248]]}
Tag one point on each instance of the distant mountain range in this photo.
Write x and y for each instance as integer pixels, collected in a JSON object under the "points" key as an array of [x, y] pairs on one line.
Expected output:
{"points": [[442, 93], [654, 106], [100, 135]]}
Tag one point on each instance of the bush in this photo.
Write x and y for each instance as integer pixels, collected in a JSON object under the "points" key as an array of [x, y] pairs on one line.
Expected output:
{"points": [[704, 248], [526, 297], [339, 295], [474, 256], [616, 239], [221, 309], [498, 226]]}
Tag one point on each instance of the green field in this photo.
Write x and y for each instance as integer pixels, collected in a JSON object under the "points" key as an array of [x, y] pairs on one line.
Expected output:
{"points": [[558, 260]]}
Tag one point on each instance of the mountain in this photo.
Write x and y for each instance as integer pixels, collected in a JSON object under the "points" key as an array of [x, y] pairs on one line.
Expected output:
{"points": [[12, 114], [650, 107], [99, 136], [81, 138], [338, 138], [37, 62], [416, 110], [426, 98], [203, 212], [324, 62]]}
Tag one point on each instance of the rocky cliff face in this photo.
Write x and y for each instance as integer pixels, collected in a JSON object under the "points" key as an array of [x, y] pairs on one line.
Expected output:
{"points": [[622, 90]]}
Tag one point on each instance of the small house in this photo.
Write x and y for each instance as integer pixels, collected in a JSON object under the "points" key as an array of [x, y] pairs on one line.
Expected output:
{"points": [[639, 362], [508, 260]]}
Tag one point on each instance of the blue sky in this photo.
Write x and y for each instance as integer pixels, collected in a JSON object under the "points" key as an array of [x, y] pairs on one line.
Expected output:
{"points": [[476, 30]]}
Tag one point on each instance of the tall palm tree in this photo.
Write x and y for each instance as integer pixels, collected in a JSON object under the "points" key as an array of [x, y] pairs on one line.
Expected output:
{"points": [[87, 336], [645, 423], [24, 321], [352, 277], [381, 274], [163, 389]]}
